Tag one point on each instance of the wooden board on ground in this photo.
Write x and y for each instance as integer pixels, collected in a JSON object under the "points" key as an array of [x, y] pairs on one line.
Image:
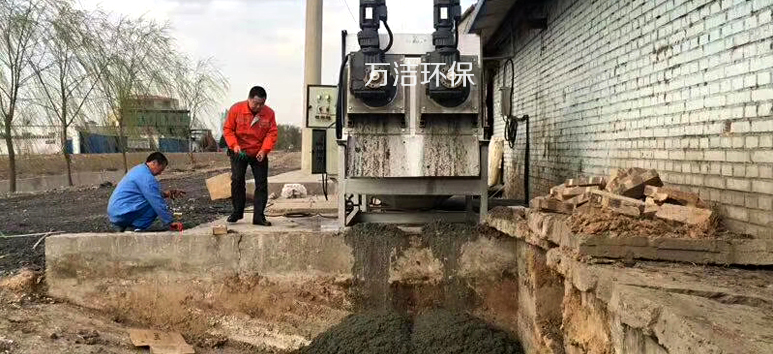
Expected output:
{"points": [[160, 342], [219, 186]]}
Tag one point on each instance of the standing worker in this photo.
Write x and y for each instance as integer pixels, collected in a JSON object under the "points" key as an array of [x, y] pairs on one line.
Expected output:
{"points": [[250, 132], [137, 200]]}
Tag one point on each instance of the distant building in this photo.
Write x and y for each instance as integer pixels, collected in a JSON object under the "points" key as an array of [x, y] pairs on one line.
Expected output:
{"points": [[161, 113], [40, 139]]}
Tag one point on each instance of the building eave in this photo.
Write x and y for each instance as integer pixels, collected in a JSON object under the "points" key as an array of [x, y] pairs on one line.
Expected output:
{"points": [[488, 17]]}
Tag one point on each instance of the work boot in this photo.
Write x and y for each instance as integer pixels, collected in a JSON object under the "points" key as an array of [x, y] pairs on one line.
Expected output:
{"points": [[261, 221], [234, 217]]}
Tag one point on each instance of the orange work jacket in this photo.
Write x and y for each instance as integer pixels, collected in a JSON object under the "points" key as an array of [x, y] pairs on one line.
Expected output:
{"points": [[252, 133]]}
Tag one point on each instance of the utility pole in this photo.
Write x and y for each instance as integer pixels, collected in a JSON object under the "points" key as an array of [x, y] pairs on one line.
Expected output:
{"points": [[312, 71]]}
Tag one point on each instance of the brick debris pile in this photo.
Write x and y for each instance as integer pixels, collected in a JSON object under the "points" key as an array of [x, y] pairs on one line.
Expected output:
{"points": [[633, 199]]}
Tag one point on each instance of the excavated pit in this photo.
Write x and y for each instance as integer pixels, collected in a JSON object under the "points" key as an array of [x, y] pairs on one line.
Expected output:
{"points": [[528, 284], [300, 284], [413, 292]]}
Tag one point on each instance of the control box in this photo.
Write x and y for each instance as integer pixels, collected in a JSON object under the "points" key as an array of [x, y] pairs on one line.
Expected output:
{"points": [[319, 151], [321, 106]]}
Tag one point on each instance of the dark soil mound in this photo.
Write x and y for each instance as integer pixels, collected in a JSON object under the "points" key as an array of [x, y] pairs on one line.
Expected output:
{"points": [[437, 331], [373, 333], [442, 331]]}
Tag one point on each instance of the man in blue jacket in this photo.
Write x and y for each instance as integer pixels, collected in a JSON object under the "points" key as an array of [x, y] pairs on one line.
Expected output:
{"points": [[137, 200]]}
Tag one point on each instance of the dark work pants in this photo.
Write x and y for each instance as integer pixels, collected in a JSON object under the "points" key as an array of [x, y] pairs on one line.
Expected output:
{"points": [[238, 188]]}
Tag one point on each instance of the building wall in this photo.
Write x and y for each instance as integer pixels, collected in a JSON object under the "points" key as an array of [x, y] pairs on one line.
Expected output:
{"points": [[39, 139], [680, 86]]}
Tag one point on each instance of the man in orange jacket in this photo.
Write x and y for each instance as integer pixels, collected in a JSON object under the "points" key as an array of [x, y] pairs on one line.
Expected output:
{"points": [[250, 132]]}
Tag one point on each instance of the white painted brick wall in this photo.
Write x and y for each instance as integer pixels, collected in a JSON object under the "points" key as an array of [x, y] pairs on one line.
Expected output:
{"points": [[685, 87]]}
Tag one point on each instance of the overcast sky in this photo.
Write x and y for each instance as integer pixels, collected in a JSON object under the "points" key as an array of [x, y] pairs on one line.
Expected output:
{"points": [[261, 41]]}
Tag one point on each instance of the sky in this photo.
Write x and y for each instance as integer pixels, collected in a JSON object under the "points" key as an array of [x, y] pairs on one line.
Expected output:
{"points": [[260, 42]]}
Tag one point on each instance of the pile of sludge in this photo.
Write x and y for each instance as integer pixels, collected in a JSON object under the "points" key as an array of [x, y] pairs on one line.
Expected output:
{"points": [[436, 331]]}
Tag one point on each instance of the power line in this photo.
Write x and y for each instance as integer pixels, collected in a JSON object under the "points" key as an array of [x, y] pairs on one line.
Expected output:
{"points": [[350, 12]]}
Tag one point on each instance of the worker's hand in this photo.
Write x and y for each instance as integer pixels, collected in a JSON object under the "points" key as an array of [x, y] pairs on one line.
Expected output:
{"points": [[174, 193], [261, 155], [237, 149], [176, 226]]}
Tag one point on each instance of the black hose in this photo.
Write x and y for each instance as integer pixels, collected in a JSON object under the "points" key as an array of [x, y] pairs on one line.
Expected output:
{"points": [[341, 102], [391, 37], [511, 123], [456, 33], [511, 131]]}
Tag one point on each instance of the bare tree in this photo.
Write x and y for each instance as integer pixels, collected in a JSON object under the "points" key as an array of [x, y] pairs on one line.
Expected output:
{"points": [[65, 76], [19, 34], [199, 86], [136, 54]]}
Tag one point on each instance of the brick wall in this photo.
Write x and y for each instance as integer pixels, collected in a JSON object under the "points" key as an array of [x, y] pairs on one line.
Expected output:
{"points": [[681, 86]]}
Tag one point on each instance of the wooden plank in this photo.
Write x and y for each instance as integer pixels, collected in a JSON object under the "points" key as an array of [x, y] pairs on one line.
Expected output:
{"points": [[219, 186], [160, 342]]}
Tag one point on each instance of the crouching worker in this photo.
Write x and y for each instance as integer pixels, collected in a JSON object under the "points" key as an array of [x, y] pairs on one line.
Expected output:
{"points": [[137, 200]]}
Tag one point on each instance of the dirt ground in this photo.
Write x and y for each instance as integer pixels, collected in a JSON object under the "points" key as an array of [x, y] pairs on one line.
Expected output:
{"points": [[83, 210], [30, 322]]}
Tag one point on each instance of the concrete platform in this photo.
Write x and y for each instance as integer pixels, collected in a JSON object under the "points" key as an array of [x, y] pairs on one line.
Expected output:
{"points": [[540, 228], [313, 205], [313, 183]]}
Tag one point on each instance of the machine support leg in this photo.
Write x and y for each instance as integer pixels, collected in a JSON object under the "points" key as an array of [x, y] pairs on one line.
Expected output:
{"points": [[483, 183], [341, 186]]}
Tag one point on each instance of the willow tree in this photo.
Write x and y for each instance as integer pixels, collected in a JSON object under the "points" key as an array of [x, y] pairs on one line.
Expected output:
{"points": [[66, 78], [19, 38], [135, 54], [199, 86]]}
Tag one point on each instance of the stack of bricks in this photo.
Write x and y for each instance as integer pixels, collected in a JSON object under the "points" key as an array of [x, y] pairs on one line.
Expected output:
{"points": [[684, 87], [635, 192]]}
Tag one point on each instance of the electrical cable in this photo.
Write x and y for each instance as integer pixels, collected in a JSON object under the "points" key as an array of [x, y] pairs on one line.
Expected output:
{"points": [[456, 33], [350, 11], [325, 174], [511, 130], [511, 123], [340, 100], [391, 36]]}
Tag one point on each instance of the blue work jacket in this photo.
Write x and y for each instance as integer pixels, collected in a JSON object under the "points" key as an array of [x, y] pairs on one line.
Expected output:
{"points": [[138, 200]]}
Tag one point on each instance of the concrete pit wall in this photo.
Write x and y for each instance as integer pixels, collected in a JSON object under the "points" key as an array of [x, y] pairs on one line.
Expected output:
{"points": [[294, 282]]}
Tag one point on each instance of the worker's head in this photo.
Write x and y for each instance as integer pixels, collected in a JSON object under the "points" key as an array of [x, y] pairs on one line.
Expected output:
{"points": [[257, 98], [156, 162]]}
